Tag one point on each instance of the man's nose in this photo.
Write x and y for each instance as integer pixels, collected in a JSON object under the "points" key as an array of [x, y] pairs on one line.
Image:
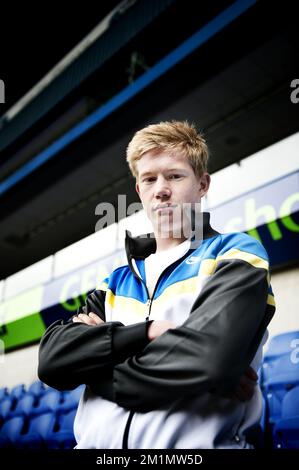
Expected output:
{"points": [[162, 188]]}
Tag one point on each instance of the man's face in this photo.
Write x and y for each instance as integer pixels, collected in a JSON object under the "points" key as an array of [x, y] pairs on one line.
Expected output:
{"points": [[167, 186]]}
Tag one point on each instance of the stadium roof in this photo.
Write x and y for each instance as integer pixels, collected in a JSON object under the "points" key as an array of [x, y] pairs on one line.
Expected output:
{"points": [[225, 65]]}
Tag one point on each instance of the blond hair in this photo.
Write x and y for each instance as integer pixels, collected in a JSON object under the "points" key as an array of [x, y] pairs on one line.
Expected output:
{"points": [[172, 136]]}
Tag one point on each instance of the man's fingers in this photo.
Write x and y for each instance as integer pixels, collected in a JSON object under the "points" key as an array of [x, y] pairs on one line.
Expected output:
{"points": [[240, 394], [96, 318], [91, 319], [86, 319], [251, 374], [158, 327], [247, 386], [77, 320]]}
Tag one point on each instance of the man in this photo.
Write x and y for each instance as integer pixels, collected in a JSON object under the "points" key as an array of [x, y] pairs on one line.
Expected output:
{"points": [[165, 344]]}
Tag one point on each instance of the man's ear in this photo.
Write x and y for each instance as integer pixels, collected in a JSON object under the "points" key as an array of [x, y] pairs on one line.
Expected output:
{"points": [[137, 188], [205, 181]]}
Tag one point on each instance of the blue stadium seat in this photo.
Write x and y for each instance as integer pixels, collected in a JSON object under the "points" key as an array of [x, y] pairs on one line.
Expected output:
{"points": [[283, 376], [6, 407], [63, 437], [37, 388], [260, 376], [266, 371], [286, 430], [18, 391], [290, 406], [49, 402], [3, 393], [281, 344], [11, 432], [284, 372], [40, 427], [71, 399], [263, 420], [25, 406], [286, 434]]}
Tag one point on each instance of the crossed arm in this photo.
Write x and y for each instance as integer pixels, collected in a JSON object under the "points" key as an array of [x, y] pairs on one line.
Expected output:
{"points": [[140, 368], [244, 389]]}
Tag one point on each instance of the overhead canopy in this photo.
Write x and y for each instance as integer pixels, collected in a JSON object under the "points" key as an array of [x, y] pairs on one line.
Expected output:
{"points": [[227, 66]]}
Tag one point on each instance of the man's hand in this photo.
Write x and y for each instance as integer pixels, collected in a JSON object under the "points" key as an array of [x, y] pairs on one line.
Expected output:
{"points": [[158, 327], [245, 389], [91, 319]]}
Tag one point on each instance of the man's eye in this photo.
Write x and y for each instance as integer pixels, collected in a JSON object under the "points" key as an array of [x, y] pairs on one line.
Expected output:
{"points": [[149, 180], [174, 176]]}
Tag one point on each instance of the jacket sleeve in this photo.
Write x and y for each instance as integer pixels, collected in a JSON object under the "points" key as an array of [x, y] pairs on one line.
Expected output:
{"points": [[212, 348], [71, 354]]}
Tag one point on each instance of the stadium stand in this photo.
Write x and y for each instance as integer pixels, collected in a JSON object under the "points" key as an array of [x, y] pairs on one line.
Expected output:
{"points": [[286, 429], [11, 432], [6, 407], [279, 381], [38, 388], [280, 344], [3, 393], [38, 418]]}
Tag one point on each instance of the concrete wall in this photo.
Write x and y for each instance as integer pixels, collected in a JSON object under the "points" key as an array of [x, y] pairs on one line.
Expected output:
{"points": [[285, 286], [19, 367]]}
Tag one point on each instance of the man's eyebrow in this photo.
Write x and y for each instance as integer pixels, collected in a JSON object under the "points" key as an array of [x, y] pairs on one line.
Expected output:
{"points": [[175, 169], [146, 173]]}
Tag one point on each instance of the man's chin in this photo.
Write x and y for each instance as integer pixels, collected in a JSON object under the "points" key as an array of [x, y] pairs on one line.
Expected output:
{"points": [[170, 232]]}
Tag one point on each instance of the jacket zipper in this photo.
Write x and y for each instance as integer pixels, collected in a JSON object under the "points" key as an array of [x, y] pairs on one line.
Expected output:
{"points": [[149, 304]]}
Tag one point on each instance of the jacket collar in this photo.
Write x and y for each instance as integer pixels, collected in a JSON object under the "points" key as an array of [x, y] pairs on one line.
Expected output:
{"points": [[144, 245]]}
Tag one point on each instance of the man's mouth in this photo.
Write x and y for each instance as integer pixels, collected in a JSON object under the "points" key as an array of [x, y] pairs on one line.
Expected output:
{"points": [[164, 207]]}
